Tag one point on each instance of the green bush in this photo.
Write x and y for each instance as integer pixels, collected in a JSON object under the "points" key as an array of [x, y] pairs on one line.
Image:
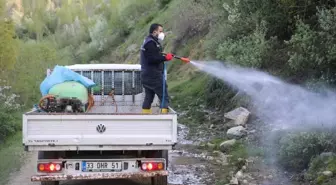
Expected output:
{"points": [[218, 95], [249, 51], [8, 45], [312, 50], [320, 164], [298, 149], [8, 108]]}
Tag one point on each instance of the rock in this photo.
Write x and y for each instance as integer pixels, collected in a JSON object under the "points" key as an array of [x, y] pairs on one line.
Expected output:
{"points": [[221, 157], [252, 131], [229, 125], [234, 181], [218, 161], [239, 115], [328, 173], [244, 168], [245, 181], [210, 158], [235, 113], [249, 161], [202, 145], [217, 153], [211, 146], [212, 126], [327, 154], [270, 177], [236, 132], [239, 175], [226, 145]]}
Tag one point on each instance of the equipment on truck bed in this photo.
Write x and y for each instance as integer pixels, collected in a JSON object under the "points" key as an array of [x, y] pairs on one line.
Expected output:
{"points": [[70, 89], [51, 103], [62, 74], [69, 96], [64, 90]]}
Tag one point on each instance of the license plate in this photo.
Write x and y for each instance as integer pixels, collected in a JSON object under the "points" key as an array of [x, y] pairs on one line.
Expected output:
{"points": [[100, 166]]}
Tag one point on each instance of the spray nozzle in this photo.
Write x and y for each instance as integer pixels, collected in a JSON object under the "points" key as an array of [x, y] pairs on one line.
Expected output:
{"points": [[184, 59]]}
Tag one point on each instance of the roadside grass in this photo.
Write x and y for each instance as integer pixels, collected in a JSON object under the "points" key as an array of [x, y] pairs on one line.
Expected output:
{"points": [[11, 157]]}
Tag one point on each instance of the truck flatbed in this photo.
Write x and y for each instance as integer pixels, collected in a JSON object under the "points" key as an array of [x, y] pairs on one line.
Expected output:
{"points": [[112, 140]]}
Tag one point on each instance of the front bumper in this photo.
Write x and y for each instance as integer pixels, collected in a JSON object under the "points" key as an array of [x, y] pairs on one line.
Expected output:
{"points": [[94, 176]]}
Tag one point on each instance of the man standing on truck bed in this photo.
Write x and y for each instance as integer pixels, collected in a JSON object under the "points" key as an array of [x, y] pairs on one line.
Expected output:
{"points": [[152, 68]]}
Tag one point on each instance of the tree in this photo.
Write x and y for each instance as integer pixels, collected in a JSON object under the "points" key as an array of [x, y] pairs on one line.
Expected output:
{"points": [[8, 43]]}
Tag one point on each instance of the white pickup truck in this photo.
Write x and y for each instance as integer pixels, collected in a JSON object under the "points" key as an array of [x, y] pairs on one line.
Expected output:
{"points": [[114, 140]]}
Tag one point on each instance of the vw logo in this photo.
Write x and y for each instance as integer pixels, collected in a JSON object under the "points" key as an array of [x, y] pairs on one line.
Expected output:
{"points": [[101, 128]]}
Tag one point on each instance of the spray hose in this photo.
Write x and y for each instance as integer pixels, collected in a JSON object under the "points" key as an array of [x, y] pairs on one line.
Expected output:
{"points": [[184, 59], [163, 85]]}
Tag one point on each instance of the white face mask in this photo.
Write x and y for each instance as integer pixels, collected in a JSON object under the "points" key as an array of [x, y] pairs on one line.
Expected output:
{"points": [[161, 36]]}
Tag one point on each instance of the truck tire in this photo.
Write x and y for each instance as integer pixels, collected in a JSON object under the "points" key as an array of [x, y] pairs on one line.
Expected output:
{"points": [[161, 180], [50, 183]]}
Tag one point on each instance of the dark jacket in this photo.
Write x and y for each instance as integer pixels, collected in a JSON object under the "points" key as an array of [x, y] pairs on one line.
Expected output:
{"points": [[151, 59]]}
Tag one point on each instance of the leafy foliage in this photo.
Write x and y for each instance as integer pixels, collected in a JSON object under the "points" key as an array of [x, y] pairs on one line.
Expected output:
{"points": [[320, 164], [8, 107], [8, 45], [298, 149]]}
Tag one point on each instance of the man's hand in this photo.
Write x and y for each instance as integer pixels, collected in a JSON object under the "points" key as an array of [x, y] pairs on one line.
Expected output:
{"points": [[169, 56]]}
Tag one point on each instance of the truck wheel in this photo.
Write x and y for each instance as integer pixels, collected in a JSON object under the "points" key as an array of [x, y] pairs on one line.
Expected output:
{"points": [[50, 183], [161, 180]]}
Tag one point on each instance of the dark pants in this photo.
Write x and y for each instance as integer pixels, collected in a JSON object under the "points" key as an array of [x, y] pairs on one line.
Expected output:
{"points": [[152, 87]]}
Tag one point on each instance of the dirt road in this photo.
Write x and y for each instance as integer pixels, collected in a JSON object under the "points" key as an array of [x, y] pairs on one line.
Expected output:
{"points": [[185, 168]]}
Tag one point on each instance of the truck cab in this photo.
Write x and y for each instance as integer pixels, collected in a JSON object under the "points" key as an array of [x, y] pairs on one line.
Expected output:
{"points": [[112, 140]]}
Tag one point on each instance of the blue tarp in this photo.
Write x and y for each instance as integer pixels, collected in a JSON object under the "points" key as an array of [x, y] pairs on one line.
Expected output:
{"points": [[62, 74]]}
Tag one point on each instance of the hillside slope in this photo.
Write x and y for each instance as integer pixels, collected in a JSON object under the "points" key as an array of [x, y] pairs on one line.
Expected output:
{"points": [[291, 39]]}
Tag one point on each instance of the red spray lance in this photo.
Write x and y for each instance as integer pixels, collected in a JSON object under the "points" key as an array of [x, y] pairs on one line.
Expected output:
{"points": [[183, 59]]}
